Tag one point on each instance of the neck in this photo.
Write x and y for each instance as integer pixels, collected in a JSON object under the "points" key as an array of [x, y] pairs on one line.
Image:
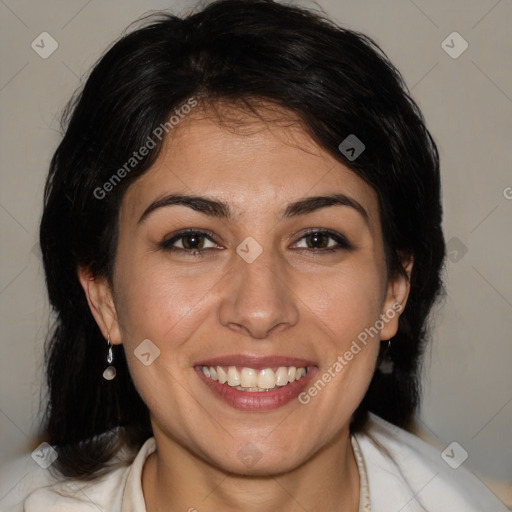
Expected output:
{"points": [[173, 479]]}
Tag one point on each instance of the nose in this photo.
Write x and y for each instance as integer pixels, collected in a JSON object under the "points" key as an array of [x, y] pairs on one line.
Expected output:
{"points": [[258, 300]]}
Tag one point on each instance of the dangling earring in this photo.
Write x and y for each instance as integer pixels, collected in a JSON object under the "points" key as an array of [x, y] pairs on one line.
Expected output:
{"points": [[110, 371], [386, 366]]}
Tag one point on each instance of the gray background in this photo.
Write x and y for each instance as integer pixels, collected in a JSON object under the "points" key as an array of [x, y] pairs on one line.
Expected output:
{"points": [[468, 106]]}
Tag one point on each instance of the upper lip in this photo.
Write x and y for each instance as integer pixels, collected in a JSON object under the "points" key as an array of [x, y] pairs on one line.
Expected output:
{"points": [[255, 362]]}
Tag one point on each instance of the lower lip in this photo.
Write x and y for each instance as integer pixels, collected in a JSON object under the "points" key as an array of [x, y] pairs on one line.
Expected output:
{"points": [[257, 400]]}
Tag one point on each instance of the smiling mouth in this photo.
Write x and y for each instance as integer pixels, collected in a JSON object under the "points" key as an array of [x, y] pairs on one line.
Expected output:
{"points": [[253, 380]]}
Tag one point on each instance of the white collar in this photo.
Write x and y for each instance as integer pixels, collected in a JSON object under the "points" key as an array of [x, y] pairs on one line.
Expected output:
{"points": [[133, 498]]}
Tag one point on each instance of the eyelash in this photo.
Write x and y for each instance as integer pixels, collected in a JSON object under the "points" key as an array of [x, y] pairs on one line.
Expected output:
{"points": [[167, 244], [341, 240]]}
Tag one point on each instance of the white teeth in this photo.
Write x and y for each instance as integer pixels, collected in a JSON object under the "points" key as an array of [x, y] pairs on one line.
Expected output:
{"points": [[249, 379], [282, 376], [267, 379], [301, 372], [221, 374], [233, 377]]}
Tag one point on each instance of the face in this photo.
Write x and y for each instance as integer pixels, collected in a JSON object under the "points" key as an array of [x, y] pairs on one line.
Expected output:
{"points": [[250, 255]]}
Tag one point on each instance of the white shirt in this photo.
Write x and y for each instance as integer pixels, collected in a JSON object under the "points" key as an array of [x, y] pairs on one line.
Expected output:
{"points": [[398, 473]]}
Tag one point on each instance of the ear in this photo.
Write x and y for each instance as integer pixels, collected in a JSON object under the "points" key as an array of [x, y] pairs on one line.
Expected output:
{"points": [[396, 299], [101, 303]]}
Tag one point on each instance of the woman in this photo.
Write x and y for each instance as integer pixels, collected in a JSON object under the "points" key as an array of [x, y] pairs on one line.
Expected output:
{"points": [[242, 242]]}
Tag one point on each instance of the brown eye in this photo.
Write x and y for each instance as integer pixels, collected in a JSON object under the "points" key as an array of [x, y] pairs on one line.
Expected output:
{"points": [[323, 241], [193, 242], [317, 240]]}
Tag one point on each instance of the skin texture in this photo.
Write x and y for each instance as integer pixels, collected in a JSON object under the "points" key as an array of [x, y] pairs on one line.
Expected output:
{"points": [[293, 300]]}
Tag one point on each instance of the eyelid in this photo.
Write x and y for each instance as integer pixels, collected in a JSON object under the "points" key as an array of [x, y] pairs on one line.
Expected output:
{"points": [[168, 241], [339, 238]]}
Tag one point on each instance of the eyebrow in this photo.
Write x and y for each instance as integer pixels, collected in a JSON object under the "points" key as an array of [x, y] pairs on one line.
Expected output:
{"points": [[219, 209]]}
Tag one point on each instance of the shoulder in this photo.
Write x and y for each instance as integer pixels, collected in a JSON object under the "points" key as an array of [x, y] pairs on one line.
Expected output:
{"points": [[28, 487], [406, 473]]}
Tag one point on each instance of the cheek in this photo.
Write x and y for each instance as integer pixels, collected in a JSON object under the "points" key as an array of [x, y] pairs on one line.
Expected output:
{"points": [[167, 307], [346, 307], [158, 312], [348, 300], [156, 302]]}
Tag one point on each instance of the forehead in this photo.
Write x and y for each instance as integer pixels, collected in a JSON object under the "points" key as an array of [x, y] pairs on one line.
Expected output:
{"points": [[249, 161]]}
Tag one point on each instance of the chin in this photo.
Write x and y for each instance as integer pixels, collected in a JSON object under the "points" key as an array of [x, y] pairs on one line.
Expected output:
{"points": [[250, 460]]}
